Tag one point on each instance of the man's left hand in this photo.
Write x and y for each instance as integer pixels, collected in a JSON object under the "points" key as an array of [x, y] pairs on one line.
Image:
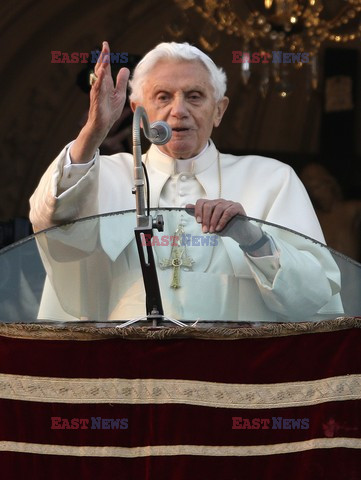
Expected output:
{"points": [[215, 214]]}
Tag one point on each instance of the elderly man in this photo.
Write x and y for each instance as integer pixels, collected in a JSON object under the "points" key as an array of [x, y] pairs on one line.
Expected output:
{"points": [[181, 85]]}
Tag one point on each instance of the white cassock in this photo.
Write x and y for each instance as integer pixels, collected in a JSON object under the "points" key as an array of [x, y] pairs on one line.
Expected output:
{"points": [[299, 281]]}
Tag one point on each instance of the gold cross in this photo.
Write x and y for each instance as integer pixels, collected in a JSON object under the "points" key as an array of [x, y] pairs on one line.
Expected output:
{"points": [[178, 258]]}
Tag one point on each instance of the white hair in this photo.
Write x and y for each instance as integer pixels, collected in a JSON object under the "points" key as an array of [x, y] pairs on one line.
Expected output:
{"points": [[176, 51]]}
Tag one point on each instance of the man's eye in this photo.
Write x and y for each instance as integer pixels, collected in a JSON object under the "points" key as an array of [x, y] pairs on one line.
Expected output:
{"points": [[194, 96], [163, 97]]}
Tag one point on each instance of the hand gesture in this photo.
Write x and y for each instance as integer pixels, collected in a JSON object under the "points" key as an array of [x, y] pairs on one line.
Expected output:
{"points": [[106, 99], [106, 106]]}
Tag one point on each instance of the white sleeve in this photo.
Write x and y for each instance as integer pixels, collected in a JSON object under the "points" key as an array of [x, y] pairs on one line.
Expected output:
{"points": [[51, 205], [72, 173], [302, 282], [265, 268]]}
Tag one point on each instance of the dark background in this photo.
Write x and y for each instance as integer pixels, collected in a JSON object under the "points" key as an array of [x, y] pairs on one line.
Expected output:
{"points": [[42, 104]]}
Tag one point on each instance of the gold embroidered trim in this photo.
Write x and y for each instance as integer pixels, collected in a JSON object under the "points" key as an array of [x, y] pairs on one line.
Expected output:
{"points": [[218, 331], [173, 450], [190, 392]]}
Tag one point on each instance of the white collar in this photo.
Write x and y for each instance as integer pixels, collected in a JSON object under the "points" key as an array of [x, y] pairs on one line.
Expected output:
{"points": [[171, 166]]}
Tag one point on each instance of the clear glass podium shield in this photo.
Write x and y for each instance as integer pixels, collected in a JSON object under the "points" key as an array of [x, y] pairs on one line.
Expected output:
{"points": [[89, 271]]}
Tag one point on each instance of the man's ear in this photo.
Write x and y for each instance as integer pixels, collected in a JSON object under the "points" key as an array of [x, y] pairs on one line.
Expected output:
{"points": [[221, 107], [133, 106]]}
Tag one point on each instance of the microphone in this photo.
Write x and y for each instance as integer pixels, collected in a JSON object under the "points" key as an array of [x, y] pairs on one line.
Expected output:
{"points": [[159, 133]]}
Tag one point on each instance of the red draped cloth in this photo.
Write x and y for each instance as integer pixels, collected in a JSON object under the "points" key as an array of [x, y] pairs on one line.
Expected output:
{"points": [[280, 401]]}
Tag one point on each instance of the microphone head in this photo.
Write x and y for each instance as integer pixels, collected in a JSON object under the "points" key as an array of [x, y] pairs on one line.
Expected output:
{"points": [[160, 133]]}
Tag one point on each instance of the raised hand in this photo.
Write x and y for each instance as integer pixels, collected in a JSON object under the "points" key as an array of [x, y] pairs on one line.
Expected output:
{"points": [[106, 105], [106, 99]]}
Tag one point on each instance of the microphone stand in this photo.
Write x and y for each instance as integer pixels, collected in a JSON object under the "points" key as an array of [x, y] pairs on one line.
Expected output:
{"points": [[145, 226]]}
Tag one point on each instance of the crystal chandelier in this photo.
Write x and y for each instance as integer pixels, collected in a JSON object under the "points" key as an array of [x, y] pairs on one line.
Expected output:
{"points": [[294, 26]]}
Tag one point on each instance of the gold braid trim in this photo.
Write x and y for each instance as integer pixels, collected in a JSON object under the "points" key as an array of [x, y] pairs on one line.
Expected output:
{"points": [[175, 450], [187, 392], [223, 331]]}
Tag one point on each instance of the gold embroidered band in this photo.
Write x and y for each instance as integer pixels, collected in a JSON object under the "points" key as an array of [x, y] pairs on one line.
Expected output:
{"points": [[174, 450], [190, 392]]}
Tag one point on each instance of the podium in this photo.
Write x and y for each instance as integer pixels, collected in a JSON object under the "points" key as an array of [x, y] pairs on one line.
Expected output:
{"points": [[225, 397]]}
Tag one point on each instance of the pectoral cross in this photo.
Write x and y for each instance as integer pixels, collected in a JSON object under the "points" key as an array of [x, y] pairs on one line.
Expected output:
{"points": [[178, 258]]}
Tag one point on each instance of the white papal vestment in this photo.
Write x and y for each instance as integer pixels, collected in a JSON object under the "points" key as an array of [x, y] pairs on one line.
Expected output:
{"points": [[224, 283]]}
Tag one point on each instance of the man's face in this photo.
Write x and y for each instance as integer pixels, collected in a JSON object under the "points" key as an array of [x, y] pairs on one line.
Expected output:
{"points": [[180, 93]]}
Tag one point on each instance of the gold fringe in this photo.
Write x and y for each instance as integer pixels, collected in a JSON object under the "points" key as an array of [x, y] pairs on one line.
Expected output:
{"points": [[224, 331]]}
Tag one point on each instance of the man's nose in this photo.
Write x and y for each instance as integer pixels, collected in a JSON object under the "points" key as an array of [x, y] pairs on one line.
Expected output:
{"points": [[179, 107]]}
